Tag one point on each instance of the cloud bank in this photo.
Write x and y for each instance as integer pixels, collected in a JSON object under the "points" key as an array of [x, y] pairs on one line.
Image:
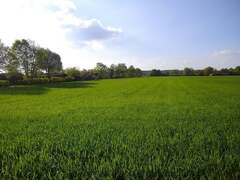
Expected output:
{"points": [[54, 24]]}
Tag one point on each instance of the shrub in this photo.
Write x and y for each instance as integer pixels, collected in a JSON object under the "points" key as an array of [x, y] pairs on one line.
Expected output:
{"points": [[4, 83], [57, 79], [69, 79], [155, 72], [3, 77], [73, 73], [14, 77], [42, 80], [33, 81]]}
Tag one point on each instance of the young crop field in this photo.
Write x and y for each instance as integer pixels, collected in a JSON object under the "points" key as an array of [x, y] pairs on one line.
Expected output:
{"points": [[137, 128]]}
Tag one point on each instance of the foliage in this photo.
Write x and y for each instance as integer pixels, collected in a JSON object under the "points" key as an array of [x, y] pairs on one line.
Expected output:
{"points": [[156, 72], [88, 75], [3, 55], [57, 79], [48, 61], [37, 62], [188, 71], [102, 71], [4, 83], [34, 61], [137, 128], [25, 53], [14, 77], [118, 71], [208, 71], [133, 72], [3, 76], [44, 80], [33, 81], [73, 73]]}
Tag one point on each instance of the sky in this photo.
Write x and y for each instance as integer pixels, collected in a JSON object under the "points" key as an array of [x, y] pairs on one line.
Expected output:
{"points": [[160, 34]]}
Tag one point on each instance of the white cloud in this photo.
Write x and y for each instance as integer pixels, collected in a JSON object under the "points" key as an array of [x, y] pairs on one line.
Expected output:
{"points": [[226, 53], [92, 30], [226, 58], [53, 24]]}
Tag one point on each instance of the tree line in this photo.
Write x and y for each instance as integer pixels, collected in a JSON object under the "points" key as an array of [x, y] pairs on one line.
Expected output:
{"points": [[102, 71], [208, 71], [27, 63], [25, 60]]}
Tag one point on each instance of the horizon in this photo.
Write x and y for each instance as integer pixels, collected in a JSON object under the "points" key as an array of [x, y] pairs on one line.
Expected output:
{"points": [[155, 35]]}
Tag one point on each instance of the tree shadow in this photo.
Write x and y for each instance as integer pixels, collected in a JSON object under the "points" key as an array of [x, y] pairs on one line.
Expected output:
{"points": [[43, 88]]}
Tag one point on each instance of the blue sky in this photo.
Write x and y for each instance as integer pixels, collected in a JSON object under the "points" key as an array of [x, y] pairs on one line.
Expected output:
{"points": [[163, 34]]}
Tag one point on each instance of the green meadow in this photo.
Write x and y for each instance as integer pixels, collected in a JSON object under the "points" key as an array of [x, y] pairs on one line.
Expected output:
{"points": [[136, 128]]}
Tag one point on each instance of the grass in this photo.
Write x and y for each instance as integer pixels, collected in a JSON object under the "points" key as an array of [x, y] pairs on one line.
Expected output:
{"points": [[145, 128]]}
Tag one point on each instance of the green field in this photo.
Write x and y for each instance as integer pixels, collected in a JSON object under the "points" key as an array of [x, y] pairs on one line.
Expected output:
{"points": [[145, 128]]}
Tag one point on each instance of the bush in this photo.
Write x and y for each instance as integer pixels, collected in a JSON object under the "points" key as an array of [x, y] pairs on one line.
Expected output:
{"points": [[42, 80], [3, 77], [33, 81], [155, 72], [4, 83], [69, 79], [73, 73], [14, 77], [57, 79]]}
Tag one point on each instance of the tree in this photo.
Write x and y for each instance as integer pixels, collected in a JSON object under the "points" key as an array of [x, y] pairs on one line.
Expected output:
{"points": [[25, 53], [8, 61], [102, 71], [3, 55], [12, 64], [208, 71], [88, 74], [48, 61], [112, 70], [131, 71], [42, 57], [198, 72], [120, 70], [237, 70], [224, 71], [138, 72], [188, 71], [155, 72], [73, 73]]}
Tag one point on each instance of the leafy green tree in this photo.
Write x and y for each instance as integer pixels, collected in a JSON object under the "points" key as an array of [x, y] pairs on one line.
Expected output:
{"points": [[199, 72], [73, 73], [120, 70], [237, 70], [9, 63], [174, 72], [88, 74], [155, 72], [12, 64], [131, 71], [25, 53], [188, 71], [48, 61], [225, 71], [42, 59], [102, 71], [14, 76], [112, 71], [208, 71], [138, 72], [3, 55]]}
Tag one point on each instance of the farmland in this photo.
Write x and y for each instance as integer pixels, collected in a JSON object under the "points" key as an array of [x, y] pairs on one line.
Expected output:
{"points": [[146, 128]]}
